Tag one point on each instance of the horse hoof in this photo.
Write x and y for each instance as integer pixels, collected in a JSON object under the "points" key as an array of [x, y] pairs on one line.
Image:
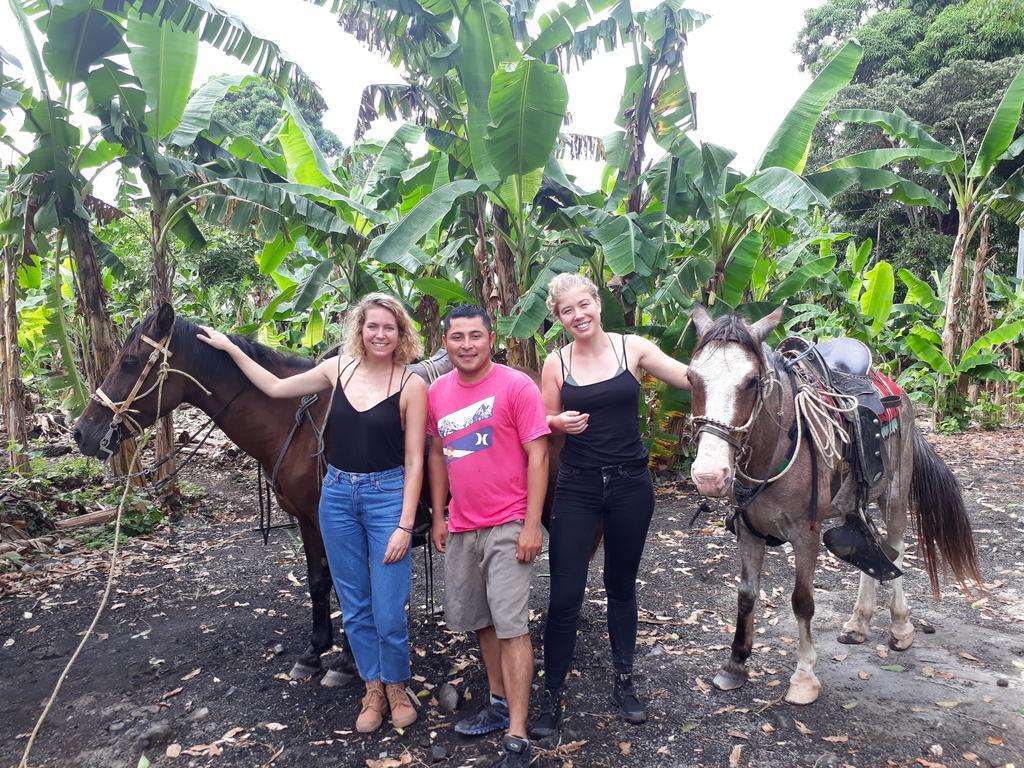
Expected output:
{"points": [[900, 643], [728, 681], [300, 671], [802, 695], [335, 679], [851, 637]]}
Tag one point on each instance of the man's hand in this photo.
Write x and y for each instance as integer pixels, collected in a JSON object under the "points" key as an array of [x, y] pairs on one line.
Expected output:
{"points": [[439, 534], [530, 541]]}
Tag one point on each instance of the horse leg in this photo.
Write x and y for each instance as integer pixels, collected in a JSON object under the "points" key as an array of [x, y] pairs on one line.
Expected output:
{"points": [[895, 507], [804, 685], [318, 578], [858, 626], [733, 672]]}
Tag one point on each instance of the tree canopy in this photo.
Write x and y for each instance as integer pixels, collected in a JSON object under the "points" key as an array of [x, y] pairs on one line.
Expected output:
{"points": [[914, 37], [254, 110]]}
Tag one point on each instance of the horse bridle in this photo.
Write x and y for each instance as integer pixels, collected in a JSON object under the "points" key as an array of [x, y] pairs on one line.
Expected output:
{"points": [[738, 436]]}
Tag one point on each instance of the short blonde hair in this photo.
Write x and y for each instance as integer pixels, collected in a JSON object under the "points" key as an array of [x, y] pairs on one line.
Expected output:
{"points": [[562, 283], [409, 346]]}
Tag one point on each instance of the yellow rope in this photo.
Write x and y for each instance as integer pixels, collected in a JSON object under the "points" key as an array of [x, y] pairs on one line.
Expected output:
{"points": [[110, 576]]}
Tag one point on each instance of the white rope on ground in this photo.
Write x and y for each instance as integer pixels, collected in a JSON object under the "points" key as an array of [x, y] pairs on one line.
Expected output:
{"points": [[87, 635]]}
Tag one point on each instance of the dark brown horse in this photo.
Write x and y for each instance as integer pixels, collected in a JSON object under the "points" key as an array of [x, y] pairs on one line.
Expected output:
{"points": [[744, 402], [207, 379]]}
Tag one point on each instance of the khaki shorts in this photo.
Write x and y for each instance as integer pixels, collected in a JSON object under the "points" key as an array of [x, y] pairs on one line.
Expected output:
{"points": [[484, 584]]}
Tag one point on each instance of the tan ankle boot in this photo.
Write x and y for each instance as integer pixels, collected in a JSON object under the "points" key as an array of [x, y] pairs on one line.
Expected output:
{"points": [[372, 714], [403, 713]]}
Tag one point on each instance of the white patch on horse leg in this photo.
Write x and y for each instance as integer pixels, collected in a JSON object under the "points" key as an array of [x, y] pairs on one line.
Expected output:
{"points": [[901, 629], [804, 685], [858, 626]]}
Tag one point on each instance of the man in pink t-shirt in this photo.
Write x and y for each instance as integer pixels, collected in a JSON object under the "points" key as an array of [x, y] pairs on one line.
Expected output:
{"points": [[489, 447]]}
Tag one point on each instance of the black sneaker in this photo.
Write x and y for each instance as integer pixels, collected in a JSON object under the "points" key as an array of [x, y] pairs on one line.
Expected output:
{"points": [[489, 718], [625, 698], [517, 753], [549, 721]]}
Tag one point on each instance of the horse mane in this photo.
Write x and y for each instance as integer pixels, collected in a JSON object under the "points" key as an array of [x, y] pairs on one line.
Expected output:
{"points": [[730, 328], [213, 363]]}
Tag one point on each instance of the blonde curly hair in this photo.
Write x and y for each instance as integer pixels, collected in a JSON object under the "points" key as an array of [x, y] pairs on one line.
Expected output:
{"points": [[409, 346], [564, 282]]}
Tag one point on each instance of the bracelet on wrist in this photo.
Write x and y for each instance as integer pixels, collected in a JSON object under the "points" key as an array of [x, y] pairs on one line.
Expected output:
{"points": [[407, 530]]}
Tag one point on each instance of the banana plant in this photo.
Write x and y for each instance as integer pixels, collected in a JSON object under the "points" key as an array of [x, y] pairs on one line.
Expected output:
{"points": [[974, 183]]}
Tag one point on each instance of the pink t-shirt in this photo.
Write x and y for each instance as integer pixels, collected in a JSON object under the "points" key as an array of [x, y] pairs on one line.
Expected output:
{"points": [[483, 427]]}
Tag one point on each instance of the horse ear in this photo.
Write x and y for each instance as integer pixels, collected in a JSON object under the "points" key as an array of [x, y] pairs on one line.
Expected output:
{"points": [[164, 320], [701, 319], [767, 324]]}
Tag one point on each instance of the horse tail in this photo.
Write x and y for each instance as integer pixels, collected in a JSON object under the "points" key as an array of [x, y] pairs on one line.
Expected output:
{"points": [[941, 518]]}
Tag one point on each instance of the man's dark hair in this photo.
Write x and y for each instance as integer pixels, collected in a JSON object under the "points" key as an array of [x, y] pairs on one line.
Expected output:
{"points": [[467, 310]]}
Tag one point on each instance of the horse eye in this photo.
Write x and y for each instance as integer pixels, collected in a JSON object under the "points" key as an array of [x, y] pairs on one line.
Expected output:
{"points": [[751, 383]]}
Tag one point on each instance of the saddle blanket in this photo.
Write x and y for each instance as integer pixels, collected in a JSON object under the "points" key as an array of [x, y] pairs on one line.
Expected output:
{"points": [[886, 387]]}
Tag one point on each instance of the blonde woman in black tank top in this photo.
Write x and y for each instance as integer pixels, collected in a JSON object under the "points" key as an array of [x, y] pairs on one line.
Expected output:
{"points": [[591, 391], [375, 434]]}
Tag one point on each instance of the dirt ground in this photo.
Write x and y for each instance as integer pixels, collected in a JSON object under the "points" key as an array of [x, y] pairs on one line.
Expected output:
{"points": [[188, 664]]}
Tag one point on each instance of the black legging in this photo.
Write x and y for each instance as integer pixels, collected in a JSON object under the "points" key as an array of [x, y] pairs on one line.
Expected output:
{"points": [[623, 498]]}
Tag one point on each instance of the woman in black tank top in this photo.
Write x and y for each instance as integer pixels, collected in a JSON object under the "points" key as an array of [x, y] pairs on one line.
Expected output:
{"points": [[375, 430], [592, 391]]}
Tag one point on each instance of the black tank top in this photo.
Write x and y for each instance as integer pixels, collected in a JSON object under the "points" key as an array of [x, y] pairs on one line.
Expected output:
{"points": [[612, 435], [365, 441]]}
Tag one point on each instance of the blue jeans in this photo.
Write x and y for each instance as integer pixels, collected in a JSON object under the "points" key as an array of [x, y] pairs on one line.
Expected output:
{"points": [[358, 514]]}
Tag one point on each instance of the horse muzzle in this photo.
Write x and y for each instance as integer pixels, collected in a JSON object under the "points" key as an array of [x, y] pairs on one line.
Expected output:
{"points": [[713, 482]]}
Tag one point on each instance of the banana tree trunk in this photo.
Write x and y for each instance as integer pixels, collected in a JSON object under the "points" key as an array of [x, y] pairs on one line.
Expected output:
{"points": [[520, 351], [429, 314], [977, 306], [15, 413], [951, 326], [160, 292], [485, 286], [92, 307]]}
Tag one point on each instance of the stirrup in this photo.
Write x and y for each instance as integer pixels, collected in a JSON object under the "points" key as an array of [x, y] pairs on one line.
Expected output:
{"points": [[855, 543]]}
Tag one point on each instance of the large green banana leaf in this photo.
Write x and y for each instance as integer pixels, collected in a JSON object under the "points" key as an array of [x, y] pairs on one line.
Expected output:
{"points": [[163, 56], [397, 242], [1002, 128], [877, 158], [76, 37], [876, 301], [557, 26], [199, 111], [527, 103], [789, 147], [1004, 334], [838, 180], [485, 41], [740, 268], [306, 163], [784, 191], [894, 124]]}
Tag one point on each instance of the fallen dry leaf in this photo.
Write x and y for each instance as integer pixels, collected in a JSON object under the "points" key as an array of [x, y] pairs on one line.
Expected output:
{"points": [[969, 656], [970, 757], [171, 694], [735, 756], [274, 726], [803, 728], [863, 675], [173, 750], [625, 747], [836, 739], [385, 762], [191, 674], [738, 734], [995, 741]]}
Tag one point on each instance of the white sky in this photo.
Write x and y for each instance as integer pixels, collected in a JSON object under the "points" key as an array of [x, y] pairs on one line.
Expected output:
{"points": [[740, 64]]}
